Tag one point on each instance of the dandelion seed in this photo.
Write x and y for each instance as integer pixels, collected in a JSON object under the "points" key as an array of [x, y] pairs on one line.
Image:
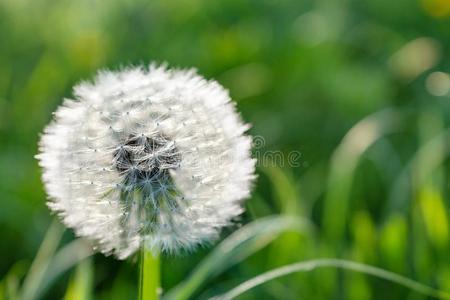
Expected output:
{"points": [[151, 157]]}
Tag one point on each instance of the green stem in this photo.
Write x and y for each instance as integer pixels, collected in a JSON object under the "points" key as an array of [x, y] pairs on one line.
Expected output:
{"points": [[149, 279]]}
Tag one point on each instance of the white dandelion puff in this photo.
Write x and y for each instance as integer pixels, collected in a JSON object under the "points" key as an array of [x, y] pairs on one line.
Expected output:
{"points": [[147, 157]]}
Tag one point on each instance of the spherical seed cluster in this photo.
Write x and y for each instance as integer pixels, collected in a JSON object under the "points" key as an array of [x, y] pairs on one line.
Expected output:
{"points": [[151, 157]]}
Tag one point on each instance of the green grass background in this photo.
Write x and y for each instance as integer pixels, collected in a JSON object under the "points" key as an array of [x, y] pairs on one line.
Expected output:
{"points": [[345, 83]]}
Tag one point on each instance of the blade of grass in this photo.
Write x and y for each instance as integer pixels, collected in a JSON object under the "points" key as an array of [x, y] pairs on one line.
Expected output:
{"points": [[311, 265], [41, 262], [80, 286], [290, 245], [398, 198], [238, 246], [66, 258], [9, 285], [285, 191], [344, 163]]}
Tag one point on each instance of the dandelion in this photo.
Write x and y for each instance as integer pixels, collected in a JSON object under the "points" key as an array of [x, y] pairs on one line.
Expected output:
{"points": [[151, 158]]}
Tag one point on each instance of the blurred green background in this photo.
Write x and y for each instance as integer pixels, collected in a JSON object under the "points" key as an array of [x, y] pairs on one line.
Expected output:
{"points": [[360, 88]]}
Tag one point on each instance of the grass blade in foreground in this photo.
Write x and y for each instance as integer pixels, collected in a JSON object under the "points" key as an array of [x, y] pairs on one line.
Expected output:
{"points": [[344, 162], [310, 265], [38, 268], [81, 284], [62, 261], [238, 246]]}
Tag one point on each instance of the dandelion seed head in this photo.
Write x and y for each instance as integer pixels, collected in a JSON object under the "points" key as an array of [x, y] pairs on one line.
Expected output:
{"points": [[147, 157]]}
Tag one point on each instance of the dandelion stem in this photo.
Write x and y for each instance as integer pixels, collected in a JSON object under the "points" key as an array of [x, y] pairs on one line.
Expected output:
{"points": [[149, 279]]}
